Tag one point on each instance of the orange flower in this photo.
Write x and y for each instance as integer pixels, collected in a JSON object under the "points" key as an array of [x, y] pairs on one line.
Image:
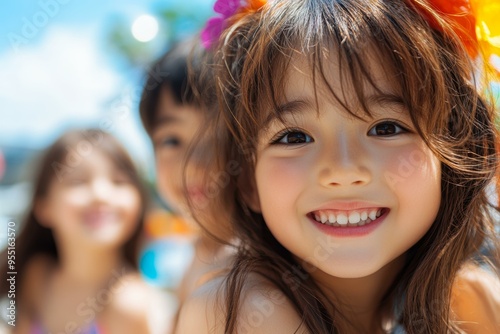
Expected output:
{"points": [[476, 24]]}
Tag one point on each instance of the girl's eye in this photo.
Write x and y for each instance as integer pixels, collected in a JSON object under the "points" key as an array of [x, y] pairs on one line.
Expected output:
{"points": [[75, 181], [121, 179], [171, 142], [386, 129], [293, 137]]}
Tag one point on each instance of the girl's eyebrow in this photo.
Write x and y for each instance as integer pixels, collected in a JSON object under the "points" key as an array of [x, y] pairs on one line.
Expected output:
{"points": [[287, 108], [166, 119], [77, 172], [385, 99], [299, 105]]}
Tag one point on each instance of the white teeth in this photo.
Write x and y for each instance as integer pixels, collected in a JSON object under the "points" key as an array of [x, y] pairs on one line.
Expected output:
{"points": [[342, 219], [354, 218], [347, 218]]}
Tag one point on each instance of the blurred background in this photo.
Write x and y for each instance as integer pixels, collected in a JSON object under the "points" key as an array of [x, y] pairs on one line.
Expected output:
{"points": [[68, 63]]}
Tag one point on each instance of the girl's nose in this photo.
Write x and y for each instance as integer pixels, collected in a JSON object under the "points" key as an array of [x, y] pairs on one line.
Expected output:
{"points": [[101, 190], [345, 163]]}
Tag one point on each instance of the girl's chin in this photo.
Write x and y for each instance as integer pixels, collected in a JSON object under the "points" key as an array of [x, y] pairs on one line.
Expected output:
{"points": [[106, 240]]}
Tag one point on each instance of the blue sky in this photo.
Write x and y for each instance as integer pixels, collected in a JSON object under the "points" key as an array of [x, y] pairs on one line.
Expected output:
{"points": [[56, 70]]}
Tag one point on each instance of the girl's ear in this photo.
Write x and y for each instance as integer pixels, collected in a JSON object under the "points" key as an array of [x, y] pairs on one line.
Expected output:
{"points": [[250, 194], [41, 212]]}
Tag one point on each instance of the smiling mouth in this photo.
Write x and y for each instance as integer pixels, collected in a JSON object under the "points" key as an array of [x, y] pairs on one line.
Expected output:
{"points": [[98, 218], [351, 218], [196, 193]]}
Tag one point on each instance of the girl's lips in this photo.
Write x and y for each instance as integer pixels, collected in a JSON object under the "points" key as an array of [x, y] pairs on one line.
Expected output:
{"points": [[196, 194], [98, 217], [348, 205], [347, 229]]}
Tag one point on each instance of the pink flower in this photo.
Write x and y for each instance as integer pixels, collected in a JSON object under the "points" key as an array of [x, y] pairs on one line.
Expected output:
{"points": [[214, 26], [212, 31], [227, 8]]}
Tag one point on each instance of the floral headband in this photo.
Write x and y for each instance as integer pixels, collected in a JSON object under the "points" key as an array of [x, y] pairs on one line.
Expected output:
{"points": [[230, 11], [475, 22]]}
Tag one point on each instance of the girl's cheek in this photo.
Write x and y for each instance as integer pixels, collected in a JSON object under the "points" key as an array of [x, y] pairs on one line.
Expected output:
{"points": [[280, 181], [410, 166], [283, 170], [169, 181], [128, 198]]}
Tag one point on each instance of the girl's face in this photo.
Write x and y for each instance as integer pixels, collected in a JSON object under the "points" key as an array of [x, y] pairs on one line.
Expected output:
{"points": [[344, 195], [91, 201], [177, 125]]}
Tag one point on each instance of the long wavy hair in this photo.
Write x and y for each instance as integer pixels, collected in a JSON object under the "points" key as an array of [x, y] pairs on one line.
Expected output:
{"points": [[438, 87], [34, 238]]}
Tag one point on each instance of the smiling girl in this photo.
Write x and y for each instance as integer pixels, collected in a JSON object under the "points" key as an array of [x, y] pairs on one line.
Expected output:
{"points": [[365, 151], [76, 253]]}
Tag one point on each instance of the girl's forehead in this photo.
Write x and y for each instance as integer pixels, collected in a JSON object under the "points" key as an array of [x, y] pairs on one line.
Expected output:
{"points": [[93, 161], [333, 75]]}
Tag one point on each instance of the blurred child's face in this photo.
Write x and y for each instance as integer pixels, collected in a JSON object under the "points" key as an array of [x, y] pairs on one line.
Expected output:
{"points": [[91, 201], [175, 128], [346, 195]]}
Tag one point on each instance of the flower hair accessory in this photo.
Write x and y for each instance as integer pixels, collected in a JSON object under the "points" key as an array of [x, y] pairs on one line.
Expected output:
{"points": [[229, 11], [475, 22]]}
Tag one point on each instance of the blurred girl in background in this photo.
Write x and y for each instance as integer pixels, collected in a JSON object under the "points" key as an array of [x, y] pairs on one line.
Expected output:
{"points": [[174, 117], [76, 254]]}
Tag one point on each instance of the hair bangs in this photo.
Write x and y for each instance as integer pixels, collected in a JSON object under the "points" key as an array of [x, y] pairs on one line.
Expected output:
{"points": [[347, 33]]}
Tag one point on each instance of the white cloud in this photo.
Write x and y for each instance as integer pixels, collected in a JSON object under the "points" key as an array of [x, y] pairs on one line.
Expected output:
{"points": [[63, 78]]}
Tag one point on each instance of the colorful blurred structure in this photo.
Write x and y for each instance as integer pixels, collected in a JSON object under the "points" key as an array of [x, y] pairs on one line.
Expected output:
{"points": [[169, 249], [488, 32], [488, 35]]}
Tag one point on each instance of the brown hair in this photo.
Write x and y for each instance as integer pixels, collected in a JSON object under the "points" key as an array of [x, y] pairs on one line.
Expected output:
{"points": [[35, 238], [184, 71], [437, 86], [177, 71]]}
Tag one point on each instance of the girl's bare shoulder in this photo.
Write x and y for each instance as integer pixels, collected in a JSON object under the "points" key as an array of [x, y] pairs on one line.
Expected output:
{"points": [[475, 300], [35, 277], [32, 287], [136, 307], [263, 308]]}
